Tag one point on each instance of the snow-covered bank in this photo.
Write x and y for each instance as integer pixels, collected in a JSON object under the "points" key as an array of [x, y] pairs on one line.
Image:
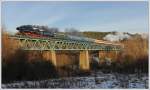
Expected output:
{"points": [[113, 80]]}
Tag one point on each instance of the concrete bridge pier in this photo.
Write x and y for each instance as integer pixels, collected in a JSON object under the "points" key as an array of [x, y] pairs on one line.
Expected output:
{"points": [[84, 62], [50, 55], [101, 55], [53, 57]]}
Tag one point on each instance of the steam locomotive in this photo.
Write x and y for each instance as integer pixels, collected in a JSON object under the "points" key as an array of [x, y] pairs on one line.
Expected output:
{"points": [[34, 31]]}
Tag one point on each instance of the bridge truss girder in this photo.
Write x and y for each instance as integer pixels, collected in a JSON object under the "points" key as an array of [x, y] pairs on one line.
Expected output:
{"points": [[60, 44]]}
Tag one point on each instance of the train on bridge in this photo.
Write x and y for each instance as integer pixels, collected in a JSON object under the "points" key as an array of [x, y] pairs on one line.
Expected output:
{"points": [[35, 31]]}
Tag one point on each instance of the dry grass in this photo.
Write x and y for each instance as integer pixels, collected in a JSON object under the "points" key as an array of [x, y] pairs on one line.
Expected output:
{"points": [[20, 65], [134, 56], [9, 47], [135, 49]]}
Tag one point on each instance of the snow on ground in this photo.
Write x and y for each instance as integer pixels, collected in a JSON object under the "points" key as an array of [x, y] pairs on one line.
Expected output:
{"points": [[101, 80]]}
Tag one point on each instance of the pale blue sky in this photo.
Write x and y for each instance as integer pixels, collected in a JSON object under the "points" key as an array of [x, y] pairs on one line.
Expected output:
{"points": [[85, 16]]}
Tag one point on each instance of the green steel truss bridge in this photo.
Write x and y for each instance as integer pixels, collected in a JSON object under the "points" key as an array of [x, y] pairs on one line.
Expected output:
{"points": [[42, 44]]}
